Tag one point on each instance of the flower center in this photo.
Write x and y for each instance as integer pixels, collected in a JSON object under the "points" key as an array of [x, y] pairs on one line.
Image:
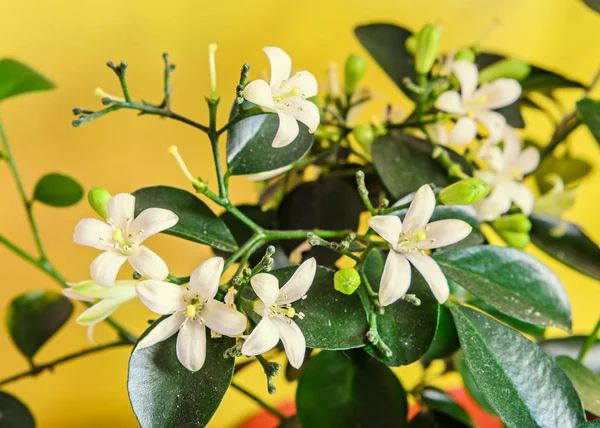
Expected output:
{"points": [[194, 308], [408, 243], [294, 92], [286, 311], [123, 241]]}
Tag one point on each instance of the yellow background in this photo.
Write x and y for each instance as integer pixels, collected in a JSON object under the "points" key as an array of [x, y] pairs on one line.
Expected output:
{"points": [[70, 41]]}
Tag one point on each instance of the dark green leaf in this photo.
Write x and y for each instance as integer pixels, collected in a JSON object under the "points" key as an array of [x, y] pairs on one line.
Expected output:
{"points": [[58, 190], [470, 385], [513, 116], [591, 424], [428, 418], [249, 149], [570, 346], [585, 381], [567, 243], [523, 385], [439, 401], [408, 330], [522, 326], [589, 113], [163, 393], [34, 317], [511, 281], [350, 389], [13, 413], [16, 78], [445, 341], [569, 169], [196, 223], [593, 4]]}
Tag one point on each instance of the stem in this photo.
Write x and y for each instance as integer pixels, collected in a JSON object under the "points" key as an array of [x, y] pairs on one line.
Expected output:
{"points": [[264, 405], [48, 366], [256, 239], [213, 104], [300, 234], [589, 342]]}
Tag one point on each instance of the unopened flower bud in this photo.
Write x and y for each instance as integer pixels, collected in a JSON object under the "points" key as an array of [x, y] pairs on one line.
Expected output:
{"points": [[346, 280], [464, 192], [513, 68], [411, 44], [354, 72], [365, 135], [98, 199], [428, 46], [512, 223], [514, 239], [467, 54]]}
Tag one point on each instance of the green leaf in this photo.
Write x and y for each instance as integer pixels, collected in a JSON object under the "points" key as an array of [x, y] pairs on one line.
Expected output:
{"points": [[470, 385], [542, 80], [591, 424], [349, 389], [34, 317], [13, 413], [522, 326], [428, 418], [408, 330], [571, 346], [593, 4], [513, 115], [445, 341], [567, 243], [523, 385], [439, 401], [588, 111], [196, 223], [163, 393], [585, 381], [16, 78], [511, 281], [569, 169], [249, 149], [58, 190]]}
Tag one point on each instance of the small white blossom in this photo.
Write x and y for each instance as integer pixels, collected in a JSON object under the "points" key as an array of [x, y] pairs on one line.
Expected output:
{"points": [[286, 96], [275, 306], [191, 309], [409, 242], [121, 239]]}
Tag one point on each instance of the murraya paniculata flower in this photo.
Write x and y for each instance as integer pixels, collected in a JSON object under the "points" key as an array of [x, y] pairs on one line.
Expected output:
{"points": [[191, 309], [121, 236], [409, 241], [286, 96], [275, 306]]}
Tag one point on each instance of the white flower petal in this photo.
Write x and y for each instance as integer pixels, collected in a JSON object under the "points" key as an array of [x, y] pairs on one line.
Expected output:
{"points": [[263, 338], [101, 310], [388, 227], [493, 206], [161, 297], [521, 196], [499, 93], [191, 345], [494, 122], [395, 279], [121, 209], [73, 295], [91, 290], [266, 287], [439, 133], [293, 340], [304, 111], [450, 102], [259, 92], [105, 267], [463, 132], [495, 160], [444, 232], [468, 77], [529, 160], [281, 66], [152, 221], [298, 285], [149, 264], [93, 233], [305, 82], [206, 277], [432, 273], [263, 176], [222, 318], [165, 329], [287, 131], [512, 145], [420, 210]]}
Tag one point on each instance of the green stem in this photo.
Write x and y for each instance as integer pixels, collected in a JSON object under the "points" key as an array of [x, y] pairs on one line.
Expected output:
{"points": [[264, 405], [213, 104], [256, 239], [300, 234], [590, 341]]}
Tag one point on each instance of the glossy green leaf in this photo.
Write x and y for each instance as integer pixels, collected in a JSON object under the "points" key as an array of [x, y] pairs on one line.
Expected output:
{"points": [[569, 169], [196, 223], [406, 329], [463, 369], [522, 326], [591, 424], [588, 111], [571, 346], [13, 413], [445, 341], [542, 80], [567, 243], [16, 78], [511, 281], [513, 115], [163, 393], [438, 400], [593, 4], [249, 149], [428, 418], [585, 381], [58, 190], [523, 385], [349, 389], [34, 317]]}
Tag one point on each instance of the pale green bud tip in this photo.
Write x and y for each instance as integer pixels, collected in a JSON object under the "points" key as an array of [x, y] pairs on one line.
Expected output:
{"points": [[354, 72], [513, 68], [512, 223], [464, 192], [365, 135], [465, 55], [411, 45], [98, 199], [515, 239], [346, 280], [428, 46]]}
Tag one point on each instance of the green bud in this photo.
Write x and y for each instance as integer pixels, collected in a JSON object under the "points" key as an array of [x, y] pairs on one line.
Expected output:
{"points": [[513, 68], [428, 46], [411, 44], [512, 223], [464, 192], [467, 54], [514, 239], [354, 72], [365, 135], [98, 199], [346, 280]]}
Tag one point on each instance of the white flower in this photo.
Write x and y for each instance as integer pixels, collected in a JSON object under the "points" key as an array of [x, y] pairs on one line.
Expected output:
{"points": [[110, 299], [121, 239], [286, 96], [505, 177], [474, 104], [439, 133], [409, 242], [276, 309], [191, 310]]}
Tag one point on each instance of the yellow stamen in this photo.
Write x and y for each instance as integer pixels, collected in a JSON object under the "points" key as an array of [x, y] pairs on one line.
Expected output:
{"points": [[191, 311], [421, 235], [295, 91]]}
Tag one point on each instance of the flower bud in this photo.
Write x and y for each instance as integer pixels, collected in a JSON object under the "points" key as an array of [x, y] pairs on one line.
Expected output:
{"points": [[512, 223], [428, 46], [354, 72], [346, 280], [513, 68], [365, 135], [98, 199], [514, 239], [467, 54], [411, 44], [464, 192]]}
